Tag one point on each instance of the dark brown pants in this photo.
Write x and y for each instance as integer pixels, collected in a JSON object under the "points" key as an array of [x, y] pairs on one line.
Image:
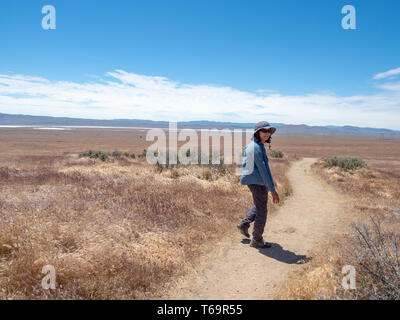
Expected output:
{"points": [[258, 212]]}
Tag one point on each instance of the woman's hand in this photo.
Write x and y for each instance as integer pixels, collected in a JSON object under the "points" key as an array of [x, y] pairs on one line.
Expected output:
{"points": [[275, 197]]}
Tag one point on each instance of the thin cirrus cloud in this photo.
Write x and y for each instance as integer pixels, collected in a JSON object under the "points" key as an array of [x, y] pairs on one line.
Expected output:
{"points": [[120, 94], [387, 74]]}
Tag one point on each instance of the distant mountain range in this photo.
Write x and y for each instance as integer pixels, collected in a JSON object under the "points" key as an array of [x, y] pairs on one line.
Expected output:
{"points": [[286, 129]]}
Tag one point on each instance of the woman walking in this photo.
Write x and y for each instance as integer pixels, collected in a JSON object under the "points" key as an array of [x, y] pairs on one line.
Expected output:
{"points": [[257, 176]]}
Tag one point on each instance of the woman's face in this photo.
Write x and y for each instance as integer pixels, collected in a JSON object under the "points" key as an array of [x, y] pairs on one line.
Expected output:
{"points": [[265, 134]]}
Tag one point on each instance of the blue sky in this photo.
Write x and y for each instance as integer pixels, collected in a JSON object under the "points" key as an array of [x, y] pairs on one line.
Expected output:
{"points": [[288, 60]]}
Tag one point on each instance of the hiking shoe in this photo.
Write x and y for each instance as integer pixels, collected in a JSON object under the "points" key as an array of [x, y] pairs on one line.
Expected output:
{"points": [[243, 230], [259, 244]]}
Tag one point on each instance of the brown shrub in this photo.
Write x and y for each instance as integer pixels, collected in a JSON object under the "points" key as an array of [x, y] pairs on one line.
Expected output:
{"points": [[373, 248]]}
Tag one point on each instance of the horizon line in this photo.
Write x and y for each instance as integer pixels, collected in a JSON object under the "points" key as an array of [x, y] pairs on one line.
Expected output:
{"points": [[213, 121]]}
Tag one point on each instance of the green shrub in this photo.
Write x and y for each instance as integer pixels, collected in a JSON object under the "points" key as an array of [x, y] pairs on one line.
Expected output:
{"points": [[103, 156], [166, 155], [117, 154], [86, 153], [345, 163], [219, 168], [95, 155], [143, 154], [275, 154]]}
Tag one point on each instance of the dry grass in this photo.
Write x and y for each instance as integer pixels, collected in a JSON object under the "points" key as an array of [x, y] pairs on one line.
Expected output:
{"points": [[370, 243], [122, 229], [112, 230], [317, 280]]}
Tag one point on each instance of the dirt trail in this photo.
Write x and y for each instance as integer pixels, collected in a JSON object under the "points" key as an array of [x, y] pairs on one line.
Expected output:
{"points": [[237, 271]]}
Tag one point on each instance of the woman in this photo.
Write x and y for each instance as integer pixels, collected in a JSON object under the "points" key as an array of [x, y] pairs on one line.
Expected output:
{"points": [[257, 176]]}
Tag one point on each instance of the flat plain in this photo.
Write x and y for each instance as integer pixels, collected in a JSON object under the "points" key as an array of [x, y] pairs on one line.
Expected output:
{"points": [[124, 229]]}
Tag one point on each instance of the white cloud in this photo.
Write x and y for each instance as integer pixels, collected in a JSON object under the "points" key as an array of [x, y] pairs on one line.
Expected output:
{"points": [[386, 74], [121, 94], [395, 86]]}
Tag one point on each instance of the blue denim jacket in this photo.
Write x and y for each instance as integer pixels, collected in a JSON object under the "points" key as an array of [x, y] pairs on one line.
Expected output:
{"points": [[255, 166]]}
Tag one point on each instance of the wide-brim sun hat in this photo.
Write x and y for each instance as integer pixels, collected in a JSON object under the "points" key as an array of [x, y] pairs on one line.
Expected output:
{"points": [[263, 125]]}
